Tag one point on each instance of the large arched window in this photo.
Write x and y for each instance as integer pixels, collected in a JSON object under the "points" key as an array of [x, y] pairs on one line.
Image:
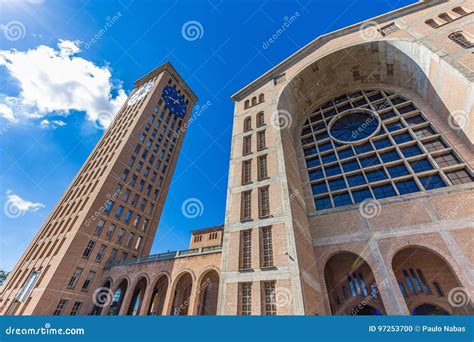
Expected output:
{"points": [[446, 17], [247, 124], [375, 144], [459, 10], [260, 119], [432, 23], [461, 39]]}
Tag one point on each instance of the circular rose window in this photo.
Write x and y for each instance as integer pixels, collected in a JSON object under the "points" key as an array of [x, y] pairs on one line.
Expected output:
{"points": [[354, 126]]}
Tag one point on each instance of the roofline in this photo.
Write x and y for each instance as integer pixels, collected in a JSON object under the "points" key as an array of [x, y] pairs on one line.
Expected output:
{"points": [[170, 68], [207, 230], [308, 48]]}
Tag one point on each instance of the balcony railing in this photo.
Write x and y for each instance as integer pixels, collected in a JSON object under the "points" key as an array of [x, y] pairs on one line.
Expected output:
{"points": [[165, 256]]}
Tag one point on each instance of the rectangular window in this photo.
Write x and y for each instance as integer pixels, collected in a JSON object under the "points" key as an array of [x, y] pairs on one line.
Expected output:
{"points": [[266, 247], [89, 248], [262, 167], [261, 141], [246, 171], [246, 205], [120, 235], [88, 280], [110, 231], [74, 278], [75, 308], [245, 249], [138, 243], [128, 216], [28, 286], [247, 145], [130, 239], [99, 227], [113, 254], [119, 212], [245, 299], [100, 253], [60, 308], [264, 202], [268, 298]]}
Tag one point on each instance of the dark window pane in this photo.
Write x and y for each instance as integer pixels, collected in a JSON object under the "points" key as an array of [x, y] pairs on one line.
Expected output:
{"points": [[360, 195], [397, 170], [342, 199], [357, 179], [337, 184], [322, 203], [376, 175], [407, 186], [432, 182], [411, 151], [421, 165], [383, 191]]}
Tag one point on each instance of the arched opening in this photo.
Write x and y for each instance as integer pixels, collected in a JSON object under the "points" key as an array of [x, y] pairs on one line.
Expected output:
{"points": [[351, 286], [101, 297], [366, 310], [247, 124], [158, 297], [182, 295], [207, 294], [261, 98], [119, 295], [424, 277], [429, 310], [137, 297], [254, 101]]}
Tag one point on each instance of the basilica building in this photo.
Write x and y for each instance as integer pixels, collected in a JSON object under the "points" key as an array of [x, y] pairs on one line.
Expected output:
{"points": [[350, 188]]}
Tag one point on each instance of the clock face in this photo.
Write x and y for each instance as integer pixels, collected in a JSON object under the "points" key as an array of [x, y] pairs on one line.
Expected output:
{"points": [[140, 92], [174, 101]]}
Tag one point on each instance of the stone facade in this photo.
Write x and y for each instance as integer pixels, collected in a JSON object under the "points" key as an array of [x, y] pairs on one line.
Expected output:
{"points": [[295, 243]]}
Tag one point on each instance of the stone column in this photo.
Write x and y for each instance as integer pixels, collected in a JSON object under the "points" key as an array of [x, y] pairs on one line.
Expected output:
{"points": [[392, 297]]}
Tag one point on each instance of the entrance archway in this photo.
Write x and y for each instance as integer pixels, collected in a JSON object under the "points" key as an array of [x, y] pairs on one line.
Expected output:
{"points": [[207, 294], [158, 297], [351, 286], [137, 297], [182, 295], [119, 295], [426, 281], [101, 296]]}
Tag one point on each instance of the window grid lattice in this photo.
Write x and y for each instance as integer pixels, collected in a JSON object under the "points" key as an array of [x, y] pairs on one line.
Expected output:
{"points": [[343, 174]]}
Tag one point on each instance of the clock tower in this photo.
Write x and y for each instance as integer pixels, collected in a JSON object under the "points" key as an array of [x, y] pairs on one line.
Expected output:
{"points": [[112, 207]]}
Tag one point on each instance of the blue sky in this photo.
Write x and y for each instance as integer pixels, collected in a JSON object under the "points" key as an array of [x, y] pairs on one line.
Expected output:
{"points": [[58, 81]]}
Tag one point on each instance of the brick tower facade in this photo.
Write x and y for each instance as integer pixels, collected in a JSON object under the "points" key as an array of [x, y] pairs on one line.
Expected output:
{"points": [[112, 208]]}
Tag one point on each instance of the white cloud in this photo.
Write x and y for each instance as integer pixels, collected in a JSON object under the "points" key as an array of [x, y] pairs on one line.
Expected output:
{"points": [[52, 124], [6, 112], [16, 206], [57, 81]]}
